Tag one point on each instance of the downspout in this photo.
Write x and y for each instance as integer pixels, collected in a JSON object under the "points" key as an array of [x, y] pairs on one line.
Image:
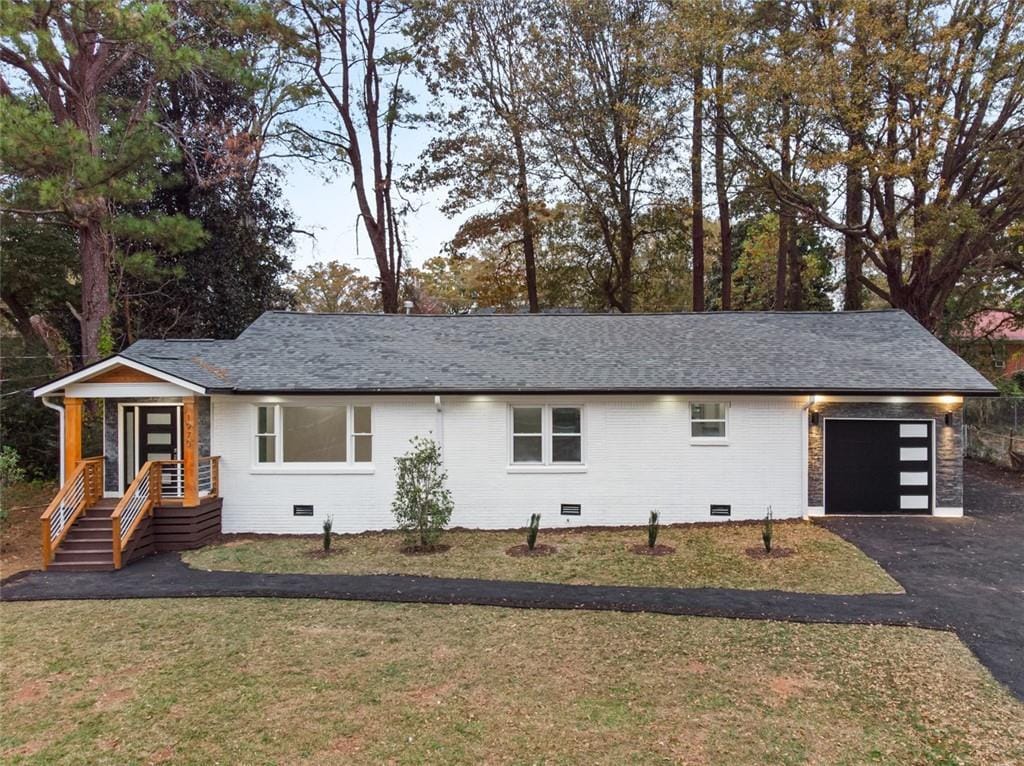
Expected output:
{"points": [[59, 408], [439, 424], [804, 478]]}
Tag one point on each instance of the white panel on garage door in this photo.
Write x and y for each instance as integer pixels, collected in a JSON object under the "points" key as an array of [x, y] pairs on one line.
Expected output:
{"points": [[913, 430], [914, 478], [915, 454], [913, 502]]}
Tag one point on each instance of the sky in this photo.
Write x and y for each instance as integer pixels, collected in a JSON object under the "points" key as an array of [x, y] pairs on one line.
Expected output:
{"points": [[327, 207]]}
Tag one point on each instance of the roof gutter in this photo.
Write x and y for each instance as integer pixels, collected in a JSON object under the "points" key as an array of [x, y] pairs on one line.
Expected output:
{"points": [[60, 409]]}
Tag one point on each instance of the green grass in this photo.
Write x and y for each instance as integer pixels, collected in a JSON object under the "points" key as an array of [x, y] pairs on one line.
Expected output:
{"points": [[706, 556], [311, 682]]}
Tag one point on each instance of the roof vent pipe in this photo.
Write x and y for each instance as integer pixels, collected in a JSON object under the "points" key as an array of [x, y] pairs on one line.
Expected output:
{"points": [[408, 307]]}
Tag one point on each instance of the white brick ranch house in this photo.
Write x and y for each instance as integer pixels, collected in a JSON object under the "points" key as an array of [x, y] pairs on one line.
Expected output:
{"points": [[587, 419]]}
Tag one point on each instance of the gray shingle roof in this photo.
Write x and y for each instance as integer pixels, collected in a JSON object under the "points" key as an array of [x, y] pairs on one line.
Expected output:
{"points": [[871, 351], [865, 351]]}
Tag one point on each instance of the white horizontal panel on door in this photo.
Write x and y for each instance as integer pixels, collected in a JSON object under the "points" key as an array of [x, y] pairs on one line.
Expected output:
{"points": [[914, 454], [913, 502], [913, 430], [914, 478]]}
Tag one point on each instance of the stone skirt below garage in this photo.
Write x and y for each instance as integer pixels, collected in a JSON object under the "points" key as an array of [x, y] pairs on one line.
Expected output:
{"points": [[946, 455]]}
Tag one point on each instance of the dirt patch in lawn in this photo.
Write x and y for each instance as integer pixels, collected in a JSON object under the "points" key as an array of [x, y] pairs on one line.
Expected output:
{"points": [[776, 553], [657, 550], [320, 553], [19, 534], [540, 549], [424, 550]]}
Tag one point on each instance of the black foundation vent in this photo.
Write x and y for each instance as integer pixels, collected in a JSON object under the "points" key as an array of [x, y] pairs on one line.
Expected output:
{"points": [[302, 510], [721, 510], [572, 509]]}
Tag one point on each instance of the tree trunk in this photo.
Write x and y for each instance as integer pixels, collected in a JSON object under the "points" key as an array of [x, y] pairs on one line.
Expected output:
{"points": [[526, 224], [94, 252], [795, 292], [626, 246], [724, 217], [853, 256], [697, 182], [782, 254]]}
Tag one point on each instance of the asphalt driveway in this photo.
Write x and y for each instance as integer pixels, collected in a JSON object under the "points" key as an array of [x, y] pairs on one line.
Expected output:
{"points": [[969, 570]]}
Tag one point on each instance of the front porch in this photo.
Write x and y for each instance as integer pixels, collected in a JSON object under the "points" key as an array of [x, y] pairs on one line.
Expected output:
{"points": [[155, 488]]}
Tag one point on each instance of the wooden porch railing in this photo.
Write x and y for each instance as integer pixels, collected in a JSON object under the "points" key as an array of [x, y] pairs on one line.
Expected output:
{"points": [[83, 488], [172, 485], [155, 482], [137, 503]]}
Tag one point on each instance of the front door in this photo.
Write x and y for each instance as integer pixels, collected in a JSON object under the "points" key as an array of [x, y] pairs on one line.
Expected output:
{"points": [[151, 433]]}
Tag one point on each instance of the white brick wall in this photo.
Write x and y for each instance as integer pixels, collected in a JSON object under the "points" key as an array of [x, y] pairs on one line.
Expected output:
{"points": [[638, 457]]}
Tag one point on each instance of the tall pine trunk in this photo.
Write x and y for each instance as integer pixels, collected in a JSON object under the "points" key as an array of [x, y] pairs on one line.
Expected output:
{"points": [[94, 254], [853, 256], [782, 254], [697, 180], [721, 189], [526, 225]]}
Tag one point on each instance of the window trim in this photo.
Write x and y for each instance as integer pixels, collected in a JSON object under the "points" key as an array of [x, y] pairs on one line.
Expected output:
{"points": [[708, 440], [547, 464], [349, 466]]}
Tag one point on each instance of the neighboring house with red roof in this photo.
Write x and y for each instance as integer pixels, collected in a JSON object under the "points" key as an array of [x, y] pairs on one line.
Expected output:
{"points": [[1000, 337]]}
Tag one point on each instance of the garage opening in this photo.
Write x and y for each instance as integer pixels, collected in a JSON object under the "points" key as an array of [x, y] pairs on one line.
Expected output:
{"points": [[878, 466]]}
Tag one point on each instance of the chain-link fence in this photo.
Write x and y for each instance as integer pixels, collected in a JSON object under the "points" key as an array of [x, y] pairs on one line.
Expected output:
{"points": [[994, 430]]}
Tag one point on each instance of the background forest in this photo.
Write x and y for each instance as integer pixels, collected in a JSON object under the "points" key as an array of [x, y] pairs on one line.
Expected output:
{"points": [[600, 155]]}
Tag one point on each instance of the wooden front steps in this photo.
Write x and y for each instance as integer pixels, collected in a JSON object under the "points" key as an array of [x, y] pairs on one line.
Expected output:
{"points": [[88, 546]]}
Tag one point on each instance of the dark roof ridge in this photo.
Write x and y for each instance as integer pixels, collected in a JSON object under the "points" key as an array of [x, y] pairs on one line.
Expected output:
{"points": [[731, 312]]}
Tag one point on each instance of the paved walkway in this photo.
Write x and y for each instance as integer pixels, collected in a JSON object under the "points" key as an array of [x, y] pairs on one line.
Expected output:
{"points": [[965, 575]]}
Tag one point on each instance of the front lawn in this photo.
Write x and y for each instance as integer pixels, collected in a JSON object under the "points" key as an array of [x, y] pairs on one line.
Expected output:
{"points": [[706, 556], [254, 681]]}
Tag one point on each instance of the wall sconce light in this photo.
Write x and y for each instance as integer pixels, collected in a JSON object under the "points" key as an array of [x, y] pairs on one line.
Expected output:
{"points": [[949, 418], [815, 417]]}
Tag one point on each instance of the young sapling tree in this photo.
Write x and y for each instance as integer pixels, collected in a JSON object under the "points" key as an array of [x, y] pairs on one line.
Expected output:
{"points": [[423, 505], [653, 527], [328, 524], [532, 530]]}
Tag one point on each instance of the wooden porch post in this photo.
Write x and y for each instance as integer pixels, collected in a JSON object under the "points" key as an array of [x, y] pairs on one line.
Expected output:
{"points": [[72, 435], [190, 451]]}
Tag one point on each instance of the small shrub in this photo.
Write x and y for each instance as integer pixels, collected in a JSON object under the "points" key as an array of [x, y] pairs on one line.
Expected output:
{"points": [[766, 531], [423, 505], [532, 530], [10, 471], [328, 523], [653, 528]]}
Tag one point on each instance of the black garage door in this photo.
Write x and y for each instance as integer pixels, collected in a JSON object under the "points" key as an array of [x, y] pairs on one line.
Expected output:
{"points": [[878, 466]]}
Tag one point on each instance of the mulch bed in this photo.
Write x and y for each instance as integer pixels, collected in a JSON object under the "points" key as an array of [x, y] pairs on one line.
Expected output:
{"points": [[320, 553], [540, 549], [777, 553], [657, 550], [424, 550]]}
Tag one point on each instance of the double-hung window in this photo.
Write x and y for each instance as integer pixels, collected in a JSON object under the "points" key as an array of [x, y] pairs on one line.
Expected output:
{"points": [[709, 421], [547, 435], [321, 434]]}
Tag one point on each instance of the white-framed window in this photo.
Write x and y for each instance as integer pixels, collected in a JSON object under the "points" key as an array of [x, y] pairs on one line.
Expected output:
{"points": [[313, 434], [546, 435], [709, 421]]}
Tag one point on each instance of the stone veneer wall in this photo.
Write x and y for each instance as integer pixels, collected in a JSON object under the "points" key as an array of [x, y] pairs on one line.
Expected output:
{"points": [[111, 459], [949, 465]]}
